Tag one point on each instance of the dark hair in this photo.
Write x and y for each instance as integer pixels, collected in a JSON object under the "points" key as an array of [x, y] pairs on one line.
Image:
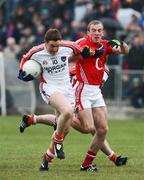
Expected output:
{"points": [[52, 35], [94, 22]]}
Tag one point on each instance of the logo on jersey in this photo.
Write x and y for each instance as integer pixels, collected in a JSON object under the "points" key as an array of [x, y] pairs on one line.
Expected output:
{"points": [[45, 62], [54, 60], [55, 68], [63, 58], [98, 64]]}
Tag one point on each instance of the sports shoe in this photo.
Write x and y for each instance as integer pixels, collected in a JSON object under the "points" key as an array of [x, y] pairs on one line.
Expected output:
{"points": [[44, 165], [121, 160], [24, 123], [90, 168], [58, 147]]}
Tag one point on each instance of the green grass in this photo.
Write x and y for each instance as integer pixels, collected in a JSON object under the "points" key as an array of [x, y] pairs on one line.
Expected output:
{"points": [[20, 154]]}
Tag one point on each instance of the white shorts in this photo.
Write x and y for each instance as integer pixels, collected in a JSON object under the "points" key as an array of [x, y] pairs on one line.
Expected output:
{"points": [[88, 96], [47, 90]]}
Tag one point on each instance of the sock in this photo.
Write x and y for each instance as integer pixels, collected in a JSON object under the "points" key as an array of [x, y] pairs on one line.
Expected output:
{"points": [[30, 120], [50, 154], [58, 138], [89, 158], [34, 119], [112, 156]]}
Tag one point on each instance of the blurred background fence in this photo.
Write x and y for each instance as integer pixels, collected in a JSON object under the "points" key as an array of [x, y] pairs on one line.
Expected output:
{"points": [[16, 96]]}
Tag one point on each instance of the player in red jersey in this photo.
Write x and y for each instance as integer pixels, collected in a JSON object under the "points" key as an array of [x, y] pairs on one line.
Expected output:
{"points": [[55, 86], [89, 99], [85, 127]]}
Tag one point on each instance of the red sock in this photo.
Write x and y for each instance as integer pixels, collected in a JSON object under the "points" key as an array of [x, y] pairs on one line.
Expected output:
{"points": [[50, 154], [113, 157], [48, 158], [30, 120], [89, 158], [58, 138]]}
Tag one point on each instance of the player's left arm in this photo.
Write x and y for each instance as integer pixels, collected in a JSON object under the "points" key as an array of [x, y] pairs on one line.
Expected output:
{"points": [[118, 47]]}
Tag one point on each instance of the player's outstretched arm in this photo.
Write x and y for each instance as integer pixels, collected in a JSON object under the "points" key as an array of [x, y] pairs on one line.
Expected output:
{"points": [[119, 47]]}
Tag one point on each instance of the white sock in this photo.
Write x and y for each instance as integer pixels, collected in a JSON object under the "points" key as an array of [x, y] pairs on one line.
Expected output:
{"points": [[34, 119]]}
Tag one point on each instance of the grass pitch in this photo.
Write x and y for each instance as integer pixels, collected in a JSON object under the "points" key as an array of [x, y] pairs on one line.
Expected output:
{"points": [[21, 154]]}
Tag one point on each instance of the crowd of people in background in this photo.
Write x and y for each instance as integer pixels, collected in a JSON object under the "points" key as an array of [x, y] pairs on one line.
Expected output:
{"points": [[23, 24]]}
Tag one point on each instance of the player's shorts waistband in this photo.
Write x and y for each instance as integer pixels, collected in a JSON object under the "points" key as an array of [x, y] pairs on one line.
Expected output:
{"points": [[87, 85]]}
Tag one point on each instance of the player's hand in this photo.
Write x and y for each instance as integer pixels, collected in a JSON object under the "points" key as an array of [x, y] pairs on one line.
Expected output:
{"points": [[22, 76], [100, 51], [86, 52], [114, 43]]}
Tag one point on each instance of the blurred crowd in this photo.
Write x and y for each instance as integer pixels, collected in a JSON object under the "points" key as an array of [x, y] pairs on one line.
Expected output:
{"points": [[24, 23]]}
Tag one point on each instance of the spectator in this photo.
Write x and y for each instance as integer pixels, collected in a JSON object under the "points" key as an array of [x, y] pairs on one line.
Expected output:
{"points": [[40, 32], [12, 49], [29, 35], [133, 26], [25, 46], [141, 21], [134, 60], [11, 64], [136, 93], [81, 8]]}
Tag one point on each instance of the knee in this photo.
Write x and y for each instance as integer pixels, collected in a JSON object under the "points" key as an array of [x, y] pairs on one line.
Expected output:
{"points": [[92, 130], [67, 112], [89, 129], [102, 131]]}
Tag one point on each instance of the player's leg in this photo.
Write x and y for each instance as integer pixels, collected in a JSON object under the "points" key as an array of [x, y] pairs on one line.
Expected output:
{"points": [[118, 160], [86, 126], [47, 119], [83, 125], [87, 119], [105, 148], [28, 120], [101, 125], [99, 137], [65, 111]]}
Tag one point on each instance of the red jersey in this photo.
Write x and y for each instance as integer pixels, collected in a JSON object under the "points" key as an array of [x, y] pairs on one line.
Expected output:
{"points": [[90, 70]]}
